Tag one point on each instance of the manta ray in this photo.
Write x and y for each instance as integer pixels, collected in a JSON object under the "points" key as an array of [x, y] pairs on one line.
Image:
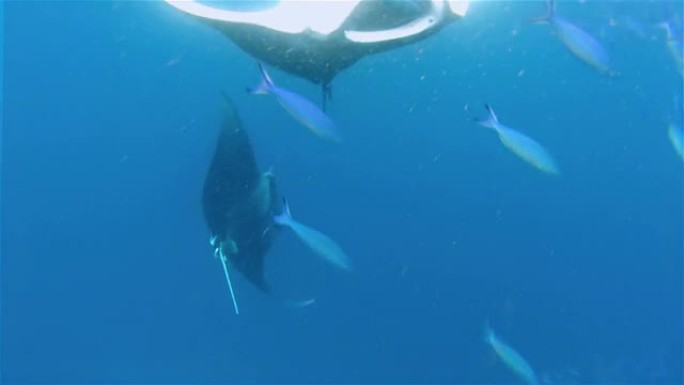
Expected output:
{"points": [[239, 203], [317, 39], [245, 212]]}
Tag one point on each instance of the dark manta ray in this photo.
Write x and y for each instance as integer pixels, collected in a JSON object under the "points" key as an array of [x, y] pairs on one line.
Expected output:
{"points": [[318, 39], [239, 203]]}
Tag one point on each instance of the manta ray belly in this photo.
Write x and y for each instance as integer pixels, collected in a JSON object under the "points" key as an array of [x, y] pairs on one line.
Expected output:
{"points": [[296, 37]]}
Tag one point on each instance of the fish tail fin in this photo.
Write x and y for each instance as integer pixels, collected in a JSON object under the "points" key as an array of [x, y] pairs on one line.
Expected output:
{"points": [[266, 84], [488, 332], [665, 26], [284, 218], [270, 170], [548, 16], [491, 121]]}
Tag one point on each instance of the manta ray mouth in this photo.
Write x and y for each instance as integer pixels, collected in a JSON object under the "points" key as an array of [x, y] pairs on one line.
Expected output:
{"points": [[439, 11], [319, 18]]}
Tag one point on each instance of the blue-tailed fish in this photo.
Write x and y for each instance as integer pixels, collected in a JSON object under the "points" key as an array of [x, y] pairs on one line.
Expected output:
{"points": [[510, 357], [317, 241], [521, 145], [676, 136], [578, 41], [302, 109]]}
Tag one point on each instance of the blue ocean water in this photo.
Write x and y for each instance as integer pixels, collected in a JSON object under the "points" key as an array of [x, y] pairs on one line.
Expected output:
{"points": [[110, 113]]}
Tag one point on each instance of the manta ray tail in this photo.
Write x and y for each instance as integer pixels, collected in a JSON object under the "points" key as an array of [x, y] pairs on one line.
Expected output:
{"points": [[230, 285], [326, 95]]}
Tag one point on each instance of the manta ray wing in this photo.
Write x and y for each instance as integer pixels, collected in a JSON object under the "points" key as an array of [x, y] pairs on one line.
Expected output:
{"points": [[239, 202]]}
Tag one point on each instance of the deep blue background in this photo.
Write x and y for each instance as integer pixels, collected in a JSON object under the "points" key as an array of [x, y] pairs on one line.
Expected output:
{"points": [[110, 115]]}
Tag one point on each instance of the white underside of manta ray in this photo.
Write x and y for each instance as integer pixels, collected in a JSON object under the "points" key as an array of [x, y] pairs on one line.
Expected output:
{"points": [[295, 16], [319, 38], [286, 16]]}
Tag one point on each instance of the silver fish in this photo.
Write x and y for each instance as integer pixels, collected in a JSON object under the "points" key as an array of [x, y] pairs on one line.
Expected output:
{"points": [[317, 241], [523, 146], [302, 109], [582, 44], [510, 357]]}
